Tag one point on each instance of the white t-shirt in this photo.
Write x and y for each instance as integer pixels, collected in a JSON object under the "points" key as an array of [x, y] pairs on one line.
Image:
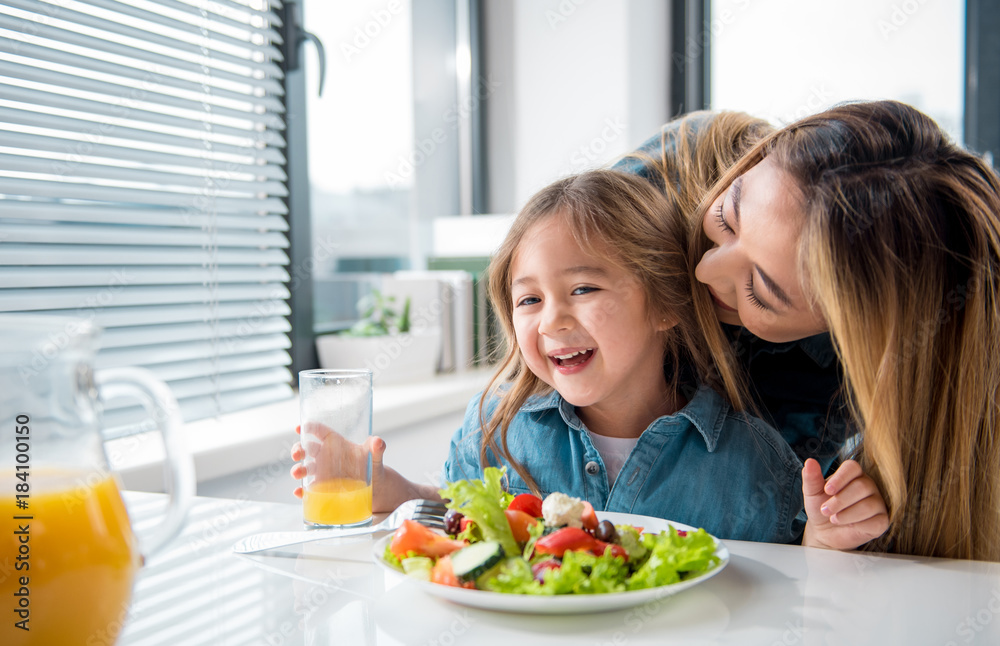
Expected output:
{"points": [[614, 451]]}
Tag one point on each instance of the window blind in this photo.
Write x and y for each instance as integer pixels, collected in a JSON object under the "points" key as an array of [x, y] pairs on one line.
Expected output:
{"points": [[142, 186]]}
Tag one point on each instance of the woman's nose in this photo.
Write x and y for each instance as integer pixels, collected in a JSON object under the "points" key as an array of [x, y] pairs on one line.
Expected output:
{"points": [[716, 266]]}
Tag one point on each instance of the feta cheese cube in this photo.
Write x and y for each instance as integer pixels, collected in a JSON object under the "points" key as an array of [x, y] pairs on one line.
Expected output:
{"points": [[560, 510]]}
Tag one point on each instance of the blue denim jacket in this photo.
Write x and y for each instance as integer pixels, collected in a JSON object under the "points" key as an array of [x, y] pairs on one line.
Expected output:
{"points": [[705, 466], [796, 386]]}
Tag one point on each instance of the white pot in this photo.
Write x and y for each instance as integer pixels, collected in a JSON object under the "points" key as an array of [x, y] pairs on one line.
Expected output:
{"points": [[392, 359]]}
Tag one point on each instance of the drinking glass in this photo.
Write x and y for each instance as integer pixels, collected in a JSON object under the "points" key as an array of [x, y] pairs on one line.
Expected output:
{"points": [[336, 418]]}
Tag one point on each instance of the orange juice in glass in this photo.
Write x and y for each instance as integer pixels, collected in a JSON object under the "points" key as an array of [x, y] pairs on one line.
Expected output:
{"points": [[336, 416], [73, 558], [337, 501]]}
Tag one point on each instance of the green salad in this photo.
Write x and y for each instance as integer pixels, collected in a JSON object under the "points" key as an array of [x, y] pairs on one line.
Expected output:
{"points": [[523, 545]]}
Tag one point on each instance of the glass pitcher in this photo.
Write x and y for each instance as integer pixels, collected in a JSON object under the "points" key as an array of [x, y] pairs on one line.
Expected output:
{"points": [[68, 557]]}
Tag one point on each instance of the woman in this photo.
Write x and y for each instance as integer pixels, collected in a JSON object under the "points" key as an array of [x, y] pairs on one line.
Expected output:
{"points": [[865, 222], [794, 385]]}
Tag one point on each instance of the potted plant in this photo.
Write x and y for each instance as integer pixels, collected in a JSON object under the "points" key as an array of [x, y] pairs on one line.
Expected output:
{"points": [[384, 341]]}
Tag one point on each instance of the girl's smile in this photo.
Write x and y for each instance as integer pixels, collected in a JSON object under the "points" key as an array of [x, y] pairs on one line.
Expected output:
{"points": [[582, 323], [569, 361]]}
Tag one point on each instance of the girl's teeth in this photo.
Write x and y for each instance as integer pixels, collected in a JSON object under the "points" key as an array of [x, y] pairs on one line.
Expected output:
{"points": [[563, 357]]}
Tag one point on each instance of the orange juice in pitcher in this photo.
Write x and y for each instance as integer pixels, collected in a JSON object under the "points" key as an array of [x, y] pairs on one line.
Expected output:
{"points": [[73, 558], [68, 556]]}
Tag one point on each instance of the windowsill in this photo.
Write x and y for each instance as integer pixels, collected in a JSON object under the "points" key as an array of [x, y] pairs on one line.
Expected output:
{"points": [[248, 439]]}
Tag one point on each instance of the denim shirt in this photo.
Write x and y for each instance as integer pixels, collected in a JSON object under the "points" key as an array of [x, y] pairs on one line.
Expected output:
{"points": [[796, 386], [705, 466]]}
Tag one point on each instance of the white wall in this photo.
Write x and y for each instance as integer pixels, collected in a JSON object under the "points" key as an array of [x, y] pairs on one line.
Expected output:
{"points": [[577, 83]]}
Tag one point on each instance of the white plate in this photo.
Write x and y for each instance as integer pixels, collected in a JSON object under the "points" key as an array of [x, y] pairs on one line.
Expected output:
{"points": [[565, 604]]}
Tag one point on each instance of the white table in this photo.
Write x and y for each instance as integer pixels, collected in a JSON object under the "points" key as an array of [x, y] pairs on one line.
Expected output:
{"points": [[330, 592]]}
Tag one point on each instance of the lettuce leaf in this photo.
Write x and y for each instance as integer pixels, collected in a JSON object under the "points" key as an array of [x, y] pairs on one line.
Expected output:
{"points": [[584, 573], [630, 539], [535, 532], [580, 573], [470, 534], [418, 567], [516, 577], [484, 502], [391, 559], [673, 557]]}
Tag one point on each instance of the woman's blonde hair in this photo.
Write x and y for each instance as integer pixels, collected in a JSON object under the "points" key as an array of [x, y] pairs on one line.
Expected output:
{"points": [[608, 212], [696, 149], [694, 152], [900, 250]]}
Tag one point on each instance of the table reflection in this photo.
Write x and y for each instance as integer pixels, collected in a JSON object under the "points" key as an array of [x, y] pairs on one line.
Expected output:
{"points": [[331, 592]]}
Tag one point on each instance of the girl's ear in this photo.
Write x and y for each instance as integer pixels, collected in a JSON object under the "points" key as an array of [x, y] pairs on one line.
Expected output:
{"points": [[666, 323]]}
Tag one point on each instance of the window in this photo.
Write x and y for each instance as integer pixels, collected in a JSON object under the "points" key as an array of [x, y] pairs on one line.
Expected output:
{"points": [[141, 186], [784, 65], [391, 145], [360, 142]]}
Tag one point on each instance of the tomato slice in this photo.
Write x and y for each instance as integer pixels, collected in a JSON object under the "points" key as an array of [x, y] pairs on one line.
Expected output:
{"points": [[574, 539], [519, 522], [444, 573], [414, 537], [528, 503], [589, 516]]}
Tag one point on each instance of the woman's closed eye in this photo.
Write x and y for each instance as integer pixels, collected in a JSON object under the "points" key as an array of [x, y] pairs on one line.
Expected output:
{"points": [[720, 218], [752, 297]]}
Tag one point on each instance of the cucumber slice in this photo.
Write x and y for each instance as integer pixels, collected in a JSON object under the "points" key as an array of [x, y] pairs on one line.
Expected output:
{"points": [[418, 567], [472, 561], [492, 572]]}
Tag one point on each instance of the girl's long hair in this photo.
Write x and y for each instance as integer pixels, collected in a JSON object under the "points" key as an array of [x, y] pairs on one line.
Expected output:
{"points": [[695, 151], [645, 234], [901, 251]]}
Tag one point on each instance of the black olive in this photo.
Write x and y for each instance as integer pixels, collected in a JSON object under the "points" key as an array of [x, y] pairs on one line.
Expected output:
{"points": [[453, 521], [605, 531]]}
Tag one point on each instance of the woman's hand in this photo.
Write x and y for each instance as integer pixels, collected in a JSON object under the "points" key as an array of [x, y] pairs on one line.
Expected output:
{"points": [[329, 455], [845, 511]]}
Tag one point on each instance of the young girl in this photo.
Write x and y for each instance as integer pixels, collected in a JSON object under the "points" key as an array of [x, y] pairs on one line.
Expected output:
{"points": [[600, 394]]}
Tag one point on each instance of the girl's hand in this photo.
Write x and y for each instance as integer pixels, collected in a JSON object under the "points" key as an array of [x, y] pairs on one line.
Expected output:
{"points": [[389, 488], [845, 511], [317, 459]]}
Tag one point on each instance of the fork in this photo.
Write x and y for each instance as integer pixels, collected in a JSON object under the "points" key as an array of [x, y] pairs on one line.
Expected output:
{"points": [[426, 512]]}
